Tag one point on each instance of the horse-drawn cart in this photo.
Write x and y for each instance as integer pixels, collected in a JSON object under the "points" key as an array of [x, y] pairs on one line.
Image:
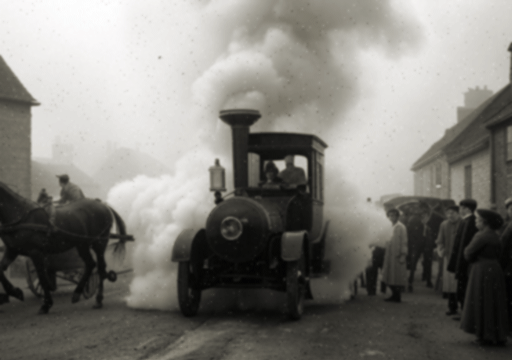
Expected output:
{"points": [[67, 266]]}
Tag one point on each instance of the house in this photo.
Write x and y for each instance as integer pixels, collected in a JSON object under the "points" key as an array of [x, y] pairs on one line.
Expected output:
{"points": [[15, 127], [125, 164], [464, 162], [44, 172]]}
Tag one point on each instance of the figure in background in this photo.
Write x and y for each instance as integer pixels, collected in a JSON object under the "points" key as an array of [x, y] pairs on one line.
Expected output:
{"points": [[506, 258], [458, 263], [425, 229], [292, 175], [69, 192], [485, 308], [445, 240], [394, 270], [415, 244], [372, 271], [43, 198]]}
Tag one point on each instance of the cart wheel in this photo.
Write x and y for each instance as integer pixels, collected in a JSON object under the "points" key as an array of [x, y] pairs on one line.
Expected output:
{"points": [[112, 276], [189, 296], [33, 280], [91, 286], [295, 287]]}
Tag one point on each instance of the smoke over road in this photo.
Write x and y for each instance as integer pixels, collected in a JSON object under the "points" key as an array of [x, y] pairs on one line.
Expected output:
{"points": [[297, 63]]}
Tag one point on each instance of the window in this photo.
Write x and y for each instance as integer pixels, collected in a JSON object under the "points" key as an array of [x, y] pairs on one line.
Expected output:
{"points": [[254, 169], [438, 177], [509, 143], [467, 182], [319, 177]]}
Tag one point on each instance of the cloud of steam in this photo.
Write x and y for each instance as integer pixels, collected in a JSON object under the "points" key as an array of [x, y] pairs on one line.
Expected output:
{"points": [[296, 62]]}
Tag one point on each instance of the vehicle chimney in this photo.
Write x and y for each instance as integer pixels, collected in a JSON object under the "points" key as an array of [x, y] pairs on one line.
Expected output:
{"points": [[240, 120]]}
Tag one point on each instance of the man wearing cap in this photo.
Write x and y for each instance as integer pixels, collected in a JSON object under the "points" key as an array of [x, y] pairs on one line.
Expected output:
{"points": [[292, 175], [506, 258], [69, 192], [458, 263]]}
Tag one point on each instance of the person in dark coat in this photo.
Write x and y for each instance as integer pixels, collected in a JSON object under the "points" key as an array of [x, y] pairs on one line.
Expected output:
{"points": [[69, 192], [506, 258], [458, 263], [422, 232], [485, 308]]}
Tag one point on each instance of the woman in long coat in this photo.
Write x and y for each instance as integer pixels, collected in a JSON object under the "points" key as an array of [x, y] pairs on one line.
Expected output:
{"points": [[394, 269], [485, 310]]}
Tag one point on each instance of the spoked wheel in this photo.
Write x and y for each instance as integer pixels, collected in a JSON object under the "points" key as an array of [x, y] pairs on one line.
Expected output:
{"points": [[33, 279], [91, 286], [189, 295], [296, 287]]}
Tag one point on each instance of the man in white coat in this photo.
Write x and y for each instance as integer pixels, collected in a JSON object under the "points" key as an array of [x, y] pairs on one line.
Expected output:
{"points": [[445, 241], [394, 270]]}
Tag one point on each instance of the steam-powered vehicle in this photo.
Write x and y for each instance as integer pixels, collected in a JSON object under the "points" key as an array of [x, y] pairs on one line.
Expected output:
{"points": [[261, 237]]}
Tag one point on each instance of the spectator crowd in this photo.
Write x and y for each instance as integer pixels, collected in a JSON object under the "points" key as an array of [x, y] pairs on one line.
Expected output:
{"points": [[474, 251]]}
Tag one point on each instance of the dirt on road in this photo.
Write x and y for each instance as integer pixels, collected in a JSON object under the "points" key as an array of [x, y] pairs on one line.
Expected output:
{"points": [[366, 327]]}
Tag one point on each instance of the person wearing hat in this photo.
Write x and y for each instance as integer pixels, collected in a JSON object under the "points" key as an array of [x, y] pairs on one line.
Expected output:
{"points": [[506, 258], [458, 264], [485, 308], [444, 242], [69, 192], [272, 180], [394, 272]]}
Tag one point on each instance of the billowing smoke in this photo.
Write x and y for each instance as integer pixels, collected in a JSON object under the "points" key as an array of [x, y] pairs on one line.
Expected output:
{"points": [[295, 61]]}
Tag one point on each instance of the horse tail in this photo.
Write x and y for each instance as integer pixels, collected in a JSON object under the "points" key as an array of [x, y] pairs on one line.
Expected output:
{"points": [[119, 247]]}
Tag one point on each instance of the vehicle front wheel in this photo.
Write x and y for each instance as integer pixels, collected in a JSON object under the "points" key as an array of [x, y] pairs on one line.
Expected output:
{"points": [[189, 295], [296, 287]]}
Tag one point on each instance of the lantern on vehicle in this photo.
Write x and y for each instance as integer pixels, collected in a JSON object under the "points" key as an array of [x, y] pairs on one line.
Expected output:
{"points": [[217, 177]]}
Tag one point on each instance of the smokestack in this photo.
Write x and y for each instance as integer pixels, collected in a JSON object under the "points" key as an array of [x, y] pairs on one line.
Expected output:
{"points": [[510, 71], [240, 120]]}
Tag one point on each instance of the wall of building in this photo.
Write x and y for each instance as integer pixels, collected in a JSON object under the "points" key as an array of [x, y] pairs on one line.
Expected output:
{"points": [[426, 182], [502, 170], [480, 178], [15, 146]]}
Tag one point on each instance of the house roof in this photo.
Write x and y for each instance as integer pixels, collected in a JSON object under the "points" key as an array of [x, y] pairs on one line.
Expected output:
{"points": [[503, 115], [11, 87], [462, 131], [476, 136]]}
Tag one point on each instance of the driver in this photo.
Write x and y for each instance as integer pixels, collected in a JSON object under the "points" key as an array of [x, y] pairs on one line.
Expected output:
{"points": [[69, 192], [292, 175], [273, 181]]}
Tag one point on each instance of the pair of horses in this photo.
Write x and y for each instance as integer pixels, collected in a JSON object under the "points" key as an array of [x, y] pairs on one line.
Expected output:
{"points": [[26, 230]]}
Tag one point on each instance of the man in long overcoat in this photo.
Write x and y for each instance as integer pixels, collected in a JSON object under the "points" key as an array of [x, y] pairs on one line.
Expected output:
{"points": [[506, 258], [444, 242], [394, 271], [458, 264]]}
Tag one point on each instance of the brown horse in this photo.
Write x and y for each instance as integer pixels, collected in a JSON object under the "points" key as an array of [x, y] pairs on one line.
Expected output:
{"points": [[26, 230]]}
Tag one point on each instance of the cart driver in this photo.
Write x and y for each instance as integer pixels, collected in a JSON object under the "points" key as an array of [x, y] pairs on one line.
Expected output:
{"points": [[69, 192], [292, 175]]}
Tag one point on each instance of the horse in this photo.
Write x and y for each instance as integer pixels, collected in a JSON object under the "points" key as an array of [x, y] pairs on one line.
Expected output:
{"points": [[26, 230]]}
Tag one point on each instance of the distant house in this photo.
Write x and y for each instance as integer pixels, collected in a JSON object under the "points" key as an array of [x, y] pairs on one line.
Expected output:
{"points": [[463, 163], [15, 126], [44, 172], [125, 164]]}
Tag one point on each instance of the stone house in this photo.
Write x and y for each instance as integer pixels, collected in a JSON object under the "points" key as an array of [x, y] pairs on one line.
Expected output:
{"points": [[469, 161], [15, 127]]}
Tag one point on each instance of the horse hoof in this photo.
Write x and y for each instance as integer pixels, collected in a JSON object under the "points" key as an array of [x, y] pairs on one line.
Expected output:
{"points": [[112, 276], [44, 310], [18, 294], [97, 306], [75, 298]]}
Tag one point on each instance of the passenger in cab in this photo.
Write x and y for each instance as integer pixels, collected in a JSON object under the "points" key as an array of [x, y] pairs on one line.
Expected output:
{"points": [[292, 175], [69, 192], [272, 180]]}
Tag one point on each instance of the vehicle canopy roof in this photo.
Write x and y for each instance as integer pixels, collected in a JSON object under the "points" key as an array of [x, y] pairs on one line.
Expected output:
{"points": [[272, 145]]}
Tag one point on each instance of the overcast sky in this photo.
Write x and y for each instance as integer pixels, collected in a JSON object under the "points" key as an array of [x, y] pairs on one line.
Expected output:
{"points": [[123, 71]]}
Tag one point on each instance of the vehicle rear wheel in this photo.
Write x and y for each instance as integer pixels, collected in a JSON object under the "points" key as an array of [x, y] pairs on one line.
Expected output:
{"points": [[189, 295], [296, 287], [91, 286]]}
